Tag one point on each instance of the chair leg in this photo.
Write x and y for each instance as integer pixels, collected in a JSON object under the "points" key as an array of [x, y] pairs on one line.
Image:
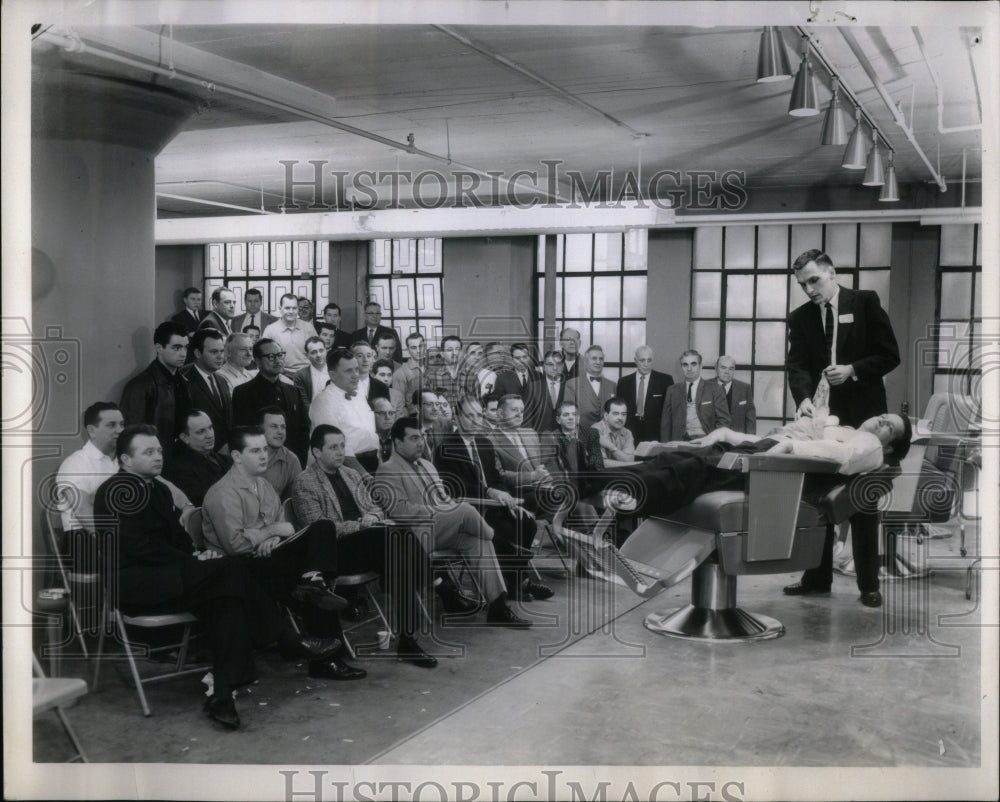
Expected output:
{"points": [[100, 645], [182, 652], [132, 666], [378, 608], [72, 737]]}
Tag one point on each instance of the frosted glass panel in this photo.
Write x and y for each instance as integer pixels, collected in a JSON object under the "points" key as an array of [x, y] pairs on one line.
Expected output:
{"points": [[769, 347], [236, 258], [606, 335], [281, 259], [239, 289], [322, 258], [772, 247], [302, 257], [769, 393], [739, 296], [704, 339], [796, 296], [214, 260], [633, 335], [378, 291], [257, 258], [956, 289], [577, 297], [607, 296], [739, 246], [403, 298], [403, 328], [978, 310], [429, 255], [278, 288], [322, 294], [634, 296], [429, 297], [707, 247], [578, 254], [876, 245], [842, 244], [956, 245], [805, 238], [381, 257], [739, 337], [706, 295], [771, 296], [877, 280], [404, 255], [608, 251], [979, 247]]}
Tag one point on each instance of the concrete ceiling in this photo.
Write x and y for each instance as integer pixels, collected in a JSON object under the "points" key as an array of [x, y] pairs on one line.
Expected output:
{"points": [[499, 98]]}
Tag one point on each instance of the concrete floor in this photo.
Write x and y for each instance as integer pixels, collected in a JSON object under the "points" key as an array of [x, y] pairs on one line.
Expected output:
{"points": [[588, 685]]}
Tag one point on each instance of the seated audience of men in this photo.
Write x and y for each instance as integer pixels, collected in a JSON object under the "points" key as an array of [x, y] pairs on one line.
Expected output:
{"points": [[223, 310], [409, 378], [644, 393], [428, 408], [590, 390], [739, 396], [206, 390], [158, 570], [367, 389], [521, 453], [365, 539], [694, 407], [467, 464], [411, 492], [449, 378], [576, 457], [385, 415], [282, 465], [480, 379], [514, 381], [197, 464], [341, 405], [239, 367], [615, 440], [252, 332], [291, 334], [243, 517], [491, 410], [191, 315]]}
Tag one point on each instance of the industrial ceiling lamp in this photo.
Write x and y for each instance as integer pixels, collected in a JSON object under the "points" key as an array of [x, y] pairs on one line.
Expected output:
{"points": [[803, 102], [874, 171], [772, 59], [890, 190], [835, 122], [855, 157]]}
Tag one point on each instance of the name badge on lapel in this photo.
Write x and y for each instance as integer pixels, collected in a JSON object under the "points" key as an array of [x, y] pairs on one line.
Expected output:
{"points": [[847, 318]]}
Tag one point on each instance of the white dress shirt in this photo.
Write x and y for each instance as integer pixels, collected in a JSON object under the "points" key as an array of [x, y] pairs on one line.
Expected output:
{"points": [[82, 472], [352, 416], [319, 380]]}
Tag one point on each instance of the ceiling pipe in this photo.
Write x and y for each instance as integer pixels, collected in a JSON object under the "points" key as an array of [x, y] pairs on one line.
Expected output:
{"points": [[894, 110], [212, 203], [940, 92], [73, 44]]}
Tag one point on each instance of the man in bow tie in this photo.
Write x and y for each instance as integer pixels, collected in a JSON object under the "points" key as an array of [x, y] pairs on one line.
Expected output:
{"points": [[341, 405], [590, 390]]}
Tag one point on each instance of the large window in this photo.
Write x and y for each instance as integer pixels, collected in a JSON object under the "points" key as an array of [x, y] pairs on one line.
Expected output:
{"points": [[404, 276], [959, 310], [601, 292], [742, 290], [274, 268]]}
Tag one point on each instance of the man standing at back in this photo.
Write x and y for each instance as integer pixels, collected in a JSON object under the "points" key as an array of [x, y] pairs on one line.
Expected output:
{"points": [[373, 329], [291, 334], [569, 341], [644, 392], [739, 397], [590, 390], [223, 309], [845, 336], [191, 315], [253, 300], [206, 390], [695, 407]]}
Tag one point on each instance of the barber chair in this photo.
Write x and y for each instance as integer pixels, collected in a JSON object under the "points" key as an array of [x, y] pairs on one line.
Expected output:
{"points": [[770, 527]]}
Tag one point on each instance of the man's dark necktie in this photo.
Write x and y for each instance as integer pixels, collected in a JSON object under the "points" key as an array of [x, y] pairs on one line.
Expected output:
{"points": [[729, 397], [829, 333], [640, 402], [385, 449], [690, 395], [214, 387], [348, 507]]}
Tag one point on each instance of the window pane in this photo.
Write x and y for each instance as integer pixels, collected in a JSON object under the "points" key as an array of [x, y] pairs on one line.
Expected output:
{"points": [[842, 244], [378, 291], [739, 337], [739, 246], [302, 257], [322, 258], [796, 297], [636, 249], [380, 261], [739, 296], [258, 258], [429, 255], [769, 393], [404, 255], [956, 245], [403, 300], [704, 340], [979, 246], [772, 247], [771, 296], [633, 335], [951, 339], [606, 335], [978, 310], [578, 254], [876, 245], [706, 295], [769, 347], [277, 289], [214, 260], [956, 289], [265, 293], [429, 297], [582, 326], [322, 294], [607, 296], [576, 298], [236, 258], [608, 251], [281, 259], [404, 327], [877, 280], [239, 289], [708, 247], [805, 237], [634, 296]]}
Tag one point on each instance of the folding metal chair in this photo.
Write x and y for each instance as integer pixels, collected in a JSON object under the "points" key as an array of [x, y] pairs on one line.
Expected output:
{"points": [[55, 694], [75, 583]]}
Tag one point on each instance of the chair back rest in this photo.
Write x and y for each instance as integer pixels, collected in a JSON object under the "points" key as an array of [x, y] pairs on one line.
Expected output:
{"points": [[951, 414], [194, 529], [289, 510]]}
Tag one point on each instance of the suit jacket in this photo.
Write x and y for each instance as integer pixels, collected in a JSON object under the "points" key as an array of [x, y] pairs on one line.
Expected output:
{"points": [[742, 412], [187, 321], [710, 402], [656, 393], [508, 383], [590, 406], [573, 372], [257, 393], [194, 473], [864, 340], [539, 412], [457, 470], [263, 320], [361, 335], [577, 460], [213, 321], [313, 499], [158, 397], [201, 397], [402, 493], [512, 463]]}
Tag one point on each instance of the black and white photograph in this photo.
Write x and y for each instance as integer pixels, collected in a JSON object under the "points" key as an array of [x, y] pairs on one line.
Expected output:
{"points": [[499, 400]]}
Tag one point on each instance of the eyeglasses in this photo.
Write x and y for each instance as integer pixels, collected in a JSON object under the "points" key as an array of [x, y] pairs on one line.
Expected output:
{"points": [[277, 356]]}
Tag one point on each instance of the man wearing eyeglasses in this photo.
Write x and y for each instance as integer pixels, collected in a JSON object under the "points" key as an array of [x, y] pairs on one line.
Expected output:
{"points": [[270, 388]]}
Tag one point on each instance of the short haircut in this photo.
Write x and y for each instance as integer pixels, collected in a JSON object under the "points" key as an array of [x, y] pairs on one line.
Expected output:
{"points": [[383, 363], [493, 344], [519, 347], [594, 348], [318, 437], [250, 327], [191, 291], [488, 399], [505, 399], [385, 335], [254, 292], [163, 332], [313, 339], [238, 436], [476, 343], [361, 344], [554, 354], [373, 303], [92, 414], [727, 357], [398, 430], [217, 293], [330, 306], [463, 403], [563, 405], [194, 412], [562, 334], [259, 346], [271, 409], [414, 335], [129, 433], [197, 342], [417, 398], [692, 352], [451, 338], [814, 255], [291, 295], [613, 401], [302, 298], [336, 356], [901, 445]]}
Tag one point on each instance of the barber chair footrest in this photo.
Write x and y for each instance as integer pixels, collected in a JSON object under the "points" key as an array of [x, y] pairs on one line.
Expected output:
{"points": [[701, 623]]}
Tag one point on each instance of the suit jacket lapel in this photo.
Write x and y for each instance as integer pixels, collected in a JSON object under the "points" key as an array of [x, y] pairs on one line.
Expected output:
{"points": [[844, 329], [328, 489]]}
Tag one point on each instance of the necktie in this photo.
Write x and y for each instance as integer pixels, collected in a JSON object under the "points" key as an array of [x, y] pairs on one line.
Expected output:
{"points": [[554, 392], [474, 454], [385, 449], [829, 333], [214, 387], [690, 396], [640, 401], [729, 397], [430, 486], [371, 336], [253, 321], [348, 506], [521, 377]]}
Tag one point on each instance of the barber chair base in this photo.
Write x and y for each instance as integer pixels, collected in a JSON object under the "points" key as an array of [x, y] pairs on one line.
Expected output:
{"points": [[700, 623]]}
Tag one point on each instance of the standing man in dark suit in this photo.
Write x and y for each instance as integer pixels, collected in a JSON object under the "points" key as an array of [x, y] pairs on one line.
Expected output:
{"points": [[569, 341], [253, 300], [270, 388], [590, 389], [694, 408], [373, 329], [192, 314], [332, 317], [311, 380], [223, 309], [739, 396], [545, 394], [845, 336], [206, 390], [516, 379], [644, 392]]}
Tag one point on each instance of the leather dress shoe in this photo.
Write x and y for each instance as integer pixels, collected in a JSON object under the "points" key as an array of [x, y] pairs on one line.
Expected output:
{"points": [[335, 668], [537, 589], [500, 615], [223, 710], [798, 589], [454, 601], [409, 651], [872, 598], [309, 647], [316, 591]]}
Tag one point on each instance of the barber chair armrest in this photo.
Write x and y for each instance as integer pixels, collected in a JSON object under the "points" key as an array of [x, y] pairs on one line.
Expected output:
{"points": [[784, 463]]}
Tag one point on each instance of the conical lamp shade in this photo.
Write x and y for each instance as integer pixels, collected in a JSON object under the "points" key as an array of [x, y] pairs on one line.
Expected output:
{"points": [[772, 59], [835, 123], [890, 189], [874, 171], [803, 102], [855, 157]]}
